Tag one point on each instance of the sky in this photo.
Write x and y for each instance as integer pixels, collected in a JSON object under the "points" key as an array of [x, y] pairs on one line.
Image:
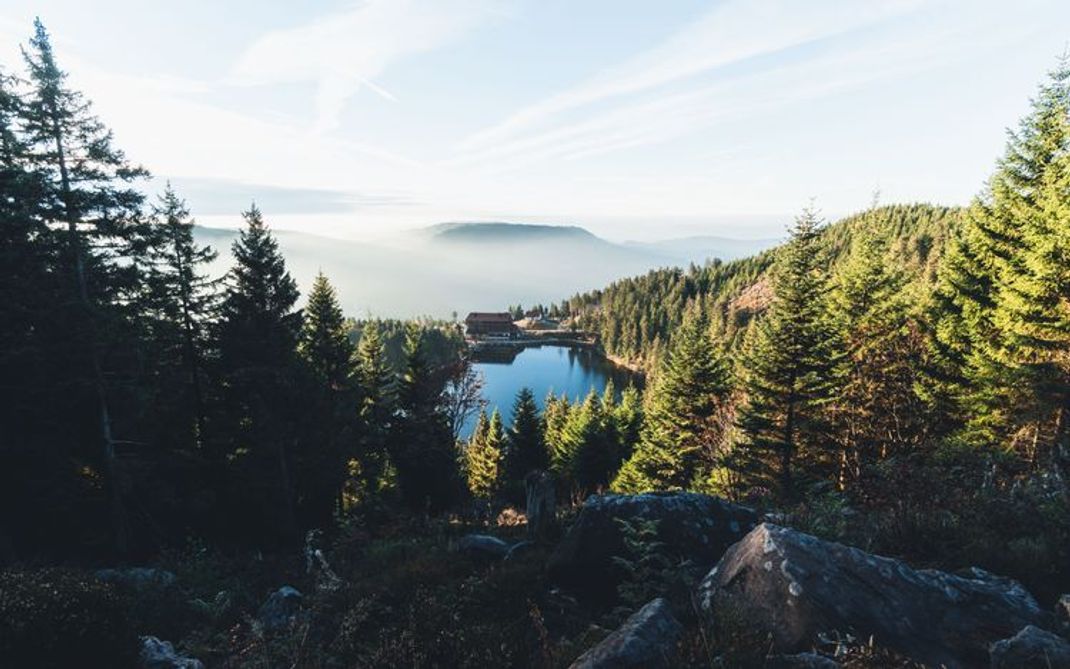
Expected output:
{"points": [[635, 119]]}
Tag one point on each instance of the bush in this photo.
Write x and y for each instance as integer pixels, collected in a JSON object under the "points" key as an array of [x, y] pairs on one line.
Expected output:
{"points": [[60, 619]]}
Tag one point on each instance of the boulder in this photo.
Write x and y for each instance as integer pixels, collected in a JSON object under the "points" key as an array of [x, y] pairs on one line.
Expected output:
{"points": [[482, 547], [137, 577], [1032, 648], [157, 654], [798, 587], [280, 609], [692, 527], [647, 639], [1062, 609], [540, 507]]}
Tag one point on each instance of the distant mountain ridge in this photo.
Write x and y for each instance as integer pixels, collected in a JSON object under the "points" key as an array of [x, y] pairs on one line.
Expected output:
{"points": [[499, 231], [466, 266]]}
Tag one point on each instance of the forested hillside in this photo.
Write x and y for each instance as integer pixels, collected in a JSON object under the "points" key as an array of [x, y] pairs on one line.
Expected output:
{"points": [[635, 317], [880, 405]]}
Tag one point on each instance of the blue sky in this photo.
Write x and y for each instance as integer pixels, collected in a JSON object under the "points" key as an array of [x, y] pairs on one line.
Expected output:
{"points": [[636, 119]]}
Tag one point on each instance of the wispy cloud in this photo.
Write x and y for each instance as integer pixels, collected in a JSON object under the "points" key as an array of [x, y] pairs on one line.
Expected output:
{"points": [[732, 32], [348, 51]]}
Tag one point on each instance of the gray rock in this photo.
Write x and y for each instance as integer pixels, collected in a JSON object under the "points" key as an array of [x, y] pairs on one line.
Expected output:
{"points": [[137, 577], [540, 507], [482, 547], [1032, 648], [692, 527], [646, 640], [803, 661], [280, 609], [1062, 609], [797, 587], [158, 654]]}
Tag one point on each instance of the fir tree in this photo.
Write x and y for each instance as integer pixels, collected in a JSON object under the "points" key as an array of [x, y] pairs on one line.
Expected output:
{"points": [[257, 341], [180, 302], [376, 386], [989, 255], [325, 342], [484, 456], [88, 189], [690, 388], [789, 370], [525, 445], [875, 412], [422, 448]]}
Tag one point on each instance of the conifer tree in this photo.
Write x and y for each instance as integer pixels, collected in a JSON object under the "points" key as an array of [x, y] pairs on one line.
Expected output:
{"points": [[589, 441], [484, 456], [690, 388], [875, 412], [377, 387], [180, 303], [788, 370], [257, 342], [555, 416], [996, 397], [525, 449], [1032, 312], [88, 189], [628, 417], [325, 342], [422, 448]]}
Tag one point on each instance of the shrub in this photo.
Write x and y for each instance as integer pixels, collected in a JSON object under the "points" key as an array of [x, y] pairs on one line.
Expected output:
{"points": [[56, 618]]}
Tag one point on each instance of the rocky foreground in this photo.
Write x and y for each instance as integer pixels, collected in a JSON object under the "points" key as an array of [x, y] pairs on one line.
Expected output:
{"points": [[703, 564]]}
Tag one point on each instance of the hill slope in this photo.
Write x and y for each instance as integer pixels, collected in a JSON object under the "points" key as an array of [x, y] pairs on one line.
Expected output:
{"points": [[635, 317]]}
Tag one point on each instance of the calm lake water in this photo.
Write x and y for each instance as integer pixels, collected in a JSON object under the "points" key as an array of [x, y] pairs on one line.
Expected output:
{"points": [[562, 369]]}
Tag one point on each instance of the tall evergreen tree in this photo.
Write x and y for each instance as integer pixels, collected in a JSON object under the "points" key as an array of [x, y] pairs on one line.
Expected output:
{"points": [[325, 341], [788, 369], [484, 456], [180, 302], [377, 388], [999, 399], [257, 341], [525, 445], [876, 411], [89, 190], [422, 448], [689, 390]]}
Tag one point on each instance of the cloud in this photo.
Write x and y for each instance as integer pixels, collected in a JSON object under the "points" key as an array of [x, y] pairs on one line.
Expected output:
{"points": [[226, 197], [345, 52], [734, 31]]}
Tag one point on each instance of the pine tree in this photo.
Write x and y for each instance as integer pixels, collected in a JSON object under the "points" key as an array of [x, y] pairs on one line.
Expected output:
{"points": [[377, 387], [590, 445], [789, 370], [875, 412], [629, 421], [263, 402], [422, 448], [180, 301], [1031, 309], [525, 445], [484, 456], [1001, 401], [556, 412], [88, 189], [325, 342], [687, 395]]}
